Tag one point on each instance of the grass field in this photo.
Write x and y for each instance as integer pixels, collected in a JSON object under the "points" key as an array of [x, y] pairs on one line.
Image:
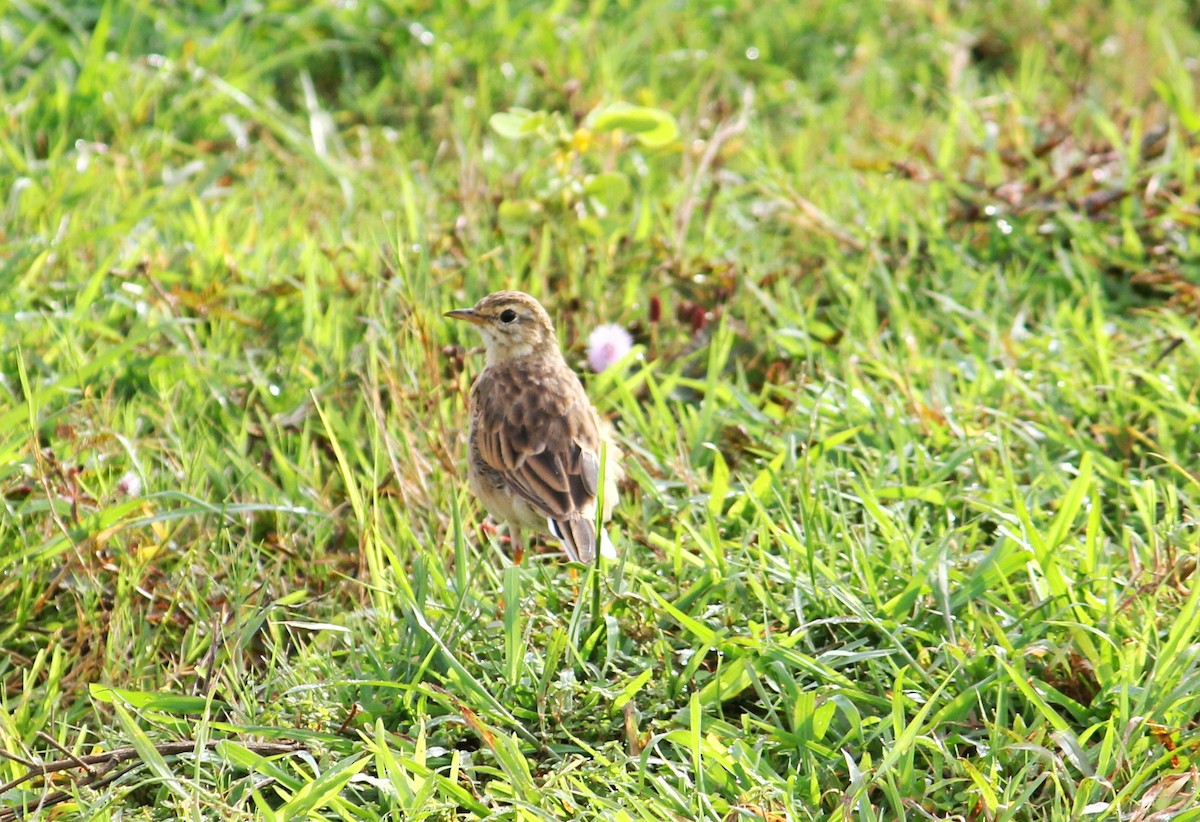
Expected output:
{"points": [[910, 523]]}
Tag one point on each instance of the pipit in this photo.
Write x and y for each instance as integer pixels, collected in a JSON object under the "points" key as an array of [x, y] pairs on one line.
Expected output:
{"points": [[536, 441]]}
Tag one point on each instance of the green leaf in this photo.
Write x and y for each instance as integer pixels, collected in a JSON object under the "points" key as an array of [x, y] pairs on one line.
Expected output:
{"points": [[819, 449], [609, 188], [720, 484], [759, 487], [514, 648], [1024, 685], [1176, 92], [1071, 503], [925, 494], [517, 123], [163, 703], [733, 679], [987, 790], [653, 127], [508, 754], [518, 215], [810, 720], [702, 632], [631, 690], [323, 790], [149, 754], [239, 756]]}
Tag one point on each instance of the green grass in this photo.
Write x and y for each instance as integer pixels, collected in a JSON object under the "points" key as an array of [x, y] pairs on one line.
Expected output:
{"points": [[909, 529]]}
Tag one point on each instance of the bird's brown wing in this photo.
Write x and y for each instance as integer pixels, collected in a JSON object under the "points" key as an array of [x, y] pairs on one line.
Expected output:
{"points": [[535, 427]]}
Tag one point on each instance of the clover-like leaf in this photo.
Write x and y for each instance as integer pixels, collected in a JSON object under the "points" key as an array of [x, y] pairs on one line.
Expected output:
{"points": [[517, 123], [609, 188], [652, 127], [516, 216]]}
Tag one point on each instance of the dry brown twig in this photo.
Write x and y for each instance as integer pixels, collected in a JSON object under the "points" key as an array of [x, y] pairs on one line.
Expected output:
{"points": [[807, 215], [725, 132], [99, 770]]}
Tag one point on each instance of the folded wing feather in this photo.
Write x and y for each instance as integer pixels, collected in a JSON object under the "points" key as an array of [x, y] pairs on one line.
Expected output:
{"points": [[546, 448]]}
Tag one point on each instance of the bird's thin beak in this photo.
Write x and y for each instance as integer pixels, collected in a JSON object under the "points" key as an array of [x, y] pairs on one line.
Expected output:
{"points": [[467, 314]]}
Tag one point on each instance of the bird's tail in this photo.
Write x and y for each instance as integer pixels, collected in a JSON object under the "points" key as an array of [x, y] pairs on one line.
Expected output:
{"points": [[578, 537]]}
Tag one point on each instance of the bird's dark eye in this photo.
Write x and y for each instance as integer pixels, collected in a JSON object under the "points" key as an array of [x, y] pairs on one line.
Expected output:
{"points": [[507, 315]]}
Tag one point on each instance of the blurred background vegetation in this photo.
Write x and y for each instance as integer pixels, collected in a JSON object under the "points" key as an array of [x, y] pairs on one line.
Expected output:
{"points": [[909, 527]]}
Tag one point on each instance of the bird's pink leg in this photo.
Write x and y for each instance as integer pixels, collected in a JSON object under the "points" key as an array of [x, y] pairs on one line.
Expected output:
{"points": [[518, 544]]}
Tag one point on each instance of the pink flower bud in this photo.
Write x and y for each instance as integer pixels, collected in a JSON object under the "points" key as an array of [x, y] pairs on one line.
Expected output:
{"points": [[606, 345]]}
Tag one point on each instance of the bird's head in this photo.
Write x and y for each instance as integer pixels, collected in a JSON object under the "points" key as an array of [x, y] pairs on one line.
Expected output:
{"points": [[512, 324]]}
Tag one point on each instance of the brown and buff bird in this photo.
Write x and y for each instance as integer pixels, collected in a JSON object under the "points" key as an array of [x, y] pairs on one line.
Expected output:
{"points": [[536, 441]]}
